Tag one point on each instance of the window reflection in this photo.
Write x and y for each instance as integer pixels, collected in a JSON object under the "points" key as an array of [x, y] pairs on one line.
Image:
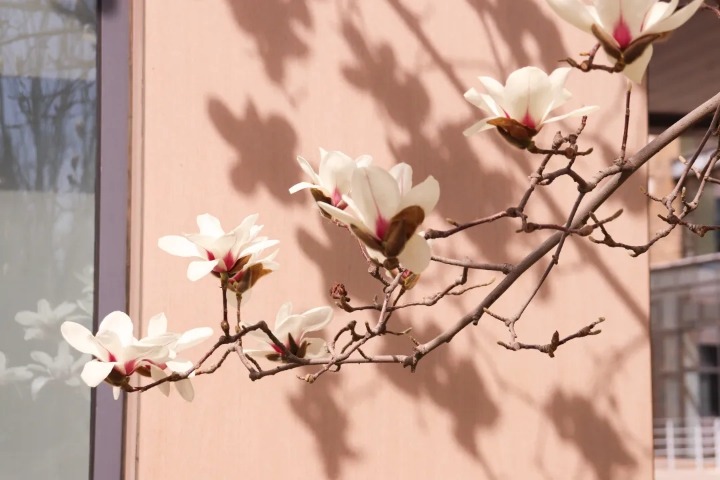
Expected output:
{"points": [[48, 148]]}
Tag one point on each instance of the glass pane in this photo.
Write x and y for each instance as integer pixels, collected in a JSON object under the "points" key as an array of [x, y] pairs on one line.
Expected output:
{"points": [[47, 181]]}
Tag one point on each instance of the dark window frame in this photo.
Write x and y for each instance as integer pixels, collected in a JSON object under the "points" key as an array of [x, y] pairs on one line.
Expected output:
{"points": [[107, 436]]}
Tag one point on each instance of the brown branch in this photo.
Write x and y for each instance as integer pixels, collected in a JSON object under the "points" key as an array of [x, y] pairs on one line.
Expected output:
{"points": [[599, 196], [589, 64], [555, 341], [496, 267], [459, 227]]}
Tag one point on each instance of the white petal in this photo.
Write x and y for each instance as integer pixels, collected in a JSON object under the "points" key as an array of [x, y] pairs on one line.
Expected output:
{"points": [[676, 19], [478, 127], [293, 325], [199, 268], [218, 246], [496, 90], [157, 325], [402, 173], [575, 113], [302, 186], [316, 348], [27, 318], [476, 98], [193, 337], [64, 309], [157, 374], [659, 11], [376, 194], [259, 336], [283, 313], [257, 247], [573, 12], [528, 94], [116, 392], [42, 358], [560, 95], [209, 225], [636, 70], [44, 308], [247, 228], [634, 13], [259, 354], [425, 195], [305, 165], [363, 161], [341, 215], [178, 246], [37, 384], [185, 389], [416, 254], [120, 324], [33, 333], [609, 12], [81, 339], [180, 366], [336, 170], [94, 372], [316, 319]]}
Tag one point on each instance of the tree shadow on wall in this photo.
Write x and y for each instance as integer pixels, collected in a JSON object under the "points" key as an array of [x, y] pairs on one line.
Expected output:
{"points": [[276, 27], [336, 253], [471, 189], [452, 382], [576, 420], [261, 142], [319, 409], [404, 100], [543, 32], [535, 28]]}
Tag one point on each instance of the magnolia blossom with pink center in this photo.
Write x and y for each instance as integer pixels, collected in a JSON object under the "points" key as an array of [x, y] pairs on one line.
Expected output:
{"points": [[626, 28], [522, 106], [385, 211], [292, 329], [157, 334], [118, 354], [219, 251], [333, 179]]}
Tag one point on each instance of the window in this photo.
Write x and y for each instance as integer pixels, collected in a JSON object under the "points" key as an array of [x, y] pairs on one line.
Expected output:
{"points": [[53, 233]]}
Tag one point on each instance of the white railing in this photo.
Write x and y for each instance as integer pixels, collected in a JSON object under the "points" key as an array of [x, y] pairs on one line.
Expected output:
{"points": [[682, 444]]}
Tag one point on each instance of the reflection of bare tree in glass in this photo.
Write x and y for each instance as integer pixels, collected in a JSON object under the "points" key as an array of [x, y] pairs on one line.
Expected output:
{"points": [[48, 97], [48, 145]]}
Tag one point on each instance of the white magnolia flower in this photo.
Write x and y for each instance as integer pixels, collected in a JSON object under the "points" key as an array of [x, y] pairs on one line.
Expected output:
{"points": [[46, 319], [333, 178], [521, 107], [291, 329], [10, 375], [118, 354], [222, 252], [626, 28], [157, 334], [384, 211], [62, 368]]}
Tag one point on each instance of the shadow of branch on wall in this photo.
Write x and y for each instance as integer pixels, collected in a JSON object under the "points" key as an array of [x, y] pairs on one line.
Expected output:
{"points": [[277, 28], [262, 142], [319, 409], [577, 420]]}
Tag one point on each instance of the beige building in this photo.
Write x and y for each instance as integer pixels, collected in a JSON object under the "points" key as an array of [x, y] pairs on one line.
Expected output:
{"points": [[202, 106], [685, 314]]}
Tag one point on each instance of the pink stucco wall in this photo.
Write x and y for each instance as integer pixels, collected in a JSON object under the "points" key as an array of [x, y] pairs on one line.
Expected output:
{"points": [[227, 93]]}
